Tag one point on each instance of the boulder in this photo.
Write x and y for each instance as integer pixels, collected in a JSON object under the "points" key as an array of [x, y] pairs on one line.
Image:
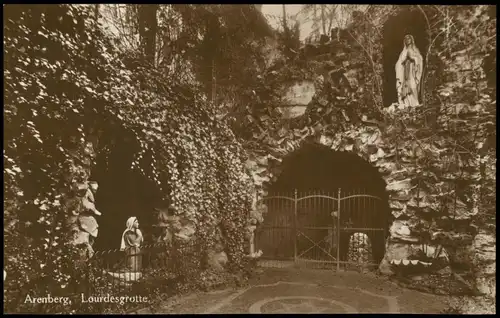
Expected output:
{"points": [[325, 140], [400, 232], [84, 254], [397, 213], [403, 253], [187, 230], [165, 214], [397, 251], [462, 255], [399, 185], [397, 205], [81, 187], [74, 205], [487, 286], [251, 165], [166, 235], [445, 271], [401, 197], [81, 237], [89, 224], [485, 247], [173, 223], [379, 154], [385, 268], [217, 260], [258, 213], [386, 167], [461, 211], [72, 220], [292, 112], [485, 263], [301, 93], [262, 161]]}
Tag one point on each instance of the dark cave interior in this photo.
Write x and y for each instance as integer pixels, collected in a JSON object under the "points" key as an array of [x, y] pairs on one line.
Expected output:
{"points": [[123, 192], [316, 169]]}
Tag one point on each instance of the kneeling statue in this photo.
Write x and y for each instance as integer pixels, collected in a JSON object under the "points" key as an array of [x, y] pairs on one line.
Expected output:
{"points": [[131, 241]]}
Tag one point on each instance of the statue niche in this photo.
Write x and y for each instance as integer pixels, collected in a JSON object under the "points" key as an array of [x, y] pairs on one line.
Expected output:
{"points": [[409, 69]]}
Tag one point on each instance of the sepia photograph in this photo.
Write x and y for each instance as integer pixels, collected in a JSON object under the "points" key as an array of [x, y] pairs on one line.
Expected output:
{"points": [[249, 159]]}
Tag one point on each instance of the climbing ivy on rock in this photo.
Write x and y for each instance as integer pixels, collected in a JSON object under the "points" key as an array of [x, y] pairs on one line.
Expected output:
{"points": [[69, 96], [435, 158]]}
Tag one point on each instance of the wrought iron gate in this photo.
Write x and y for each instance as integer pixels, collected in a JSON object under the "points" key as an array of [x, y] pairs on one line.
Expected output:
{"points": [[323, 229]]}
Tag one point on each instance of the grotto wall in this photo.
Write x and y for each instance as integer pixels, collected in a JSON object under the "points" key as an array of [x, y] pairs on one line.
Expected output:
{"points": [[433, 187], [80, 203]]}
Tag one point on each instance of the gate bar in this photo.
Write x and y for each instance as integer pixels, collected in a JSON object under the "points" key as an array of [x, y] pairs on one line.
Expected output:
{"points": [[338, 232], [295, 227]]}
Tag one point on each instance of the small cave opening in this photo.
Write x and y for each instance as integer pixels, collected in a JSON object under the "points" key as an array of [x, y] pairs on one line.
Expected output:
{"points": [[314, 175], [395, 28], [123, 192]]}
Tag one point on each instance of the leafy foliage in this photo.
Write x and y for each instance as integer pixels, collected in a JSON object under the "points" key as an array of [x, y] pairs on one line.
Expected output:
{"points": [[69, 95], [73, 91]]}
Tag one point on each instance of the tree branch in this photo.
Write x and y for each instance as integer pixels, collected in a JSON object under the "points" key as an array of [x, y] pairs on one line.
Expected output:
{"points": [[424, 79], [371, 61]]}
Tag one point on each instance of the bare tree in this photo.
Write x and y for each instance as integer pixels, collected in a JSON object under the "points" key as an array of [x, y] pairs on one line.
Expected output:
{"points": [[148, 25], [323, 23], [284, 18], [96, 11]]}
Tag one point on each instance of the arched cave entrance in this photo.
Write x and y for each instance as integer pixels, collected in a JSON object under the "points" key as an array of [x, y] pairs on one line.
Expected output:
{"points": [[123, 192], [316, 169], [395, 28]]}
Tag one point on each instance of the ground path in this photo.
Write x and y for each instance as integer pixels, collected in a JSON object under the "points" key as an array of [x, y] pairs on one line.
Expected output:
{"points": [[309, 291]]}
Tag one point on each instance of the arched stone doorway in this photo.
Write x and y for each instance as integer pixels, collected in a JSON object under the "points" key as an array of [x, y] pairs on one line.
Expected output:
{"points": [[312, 171], [317, 167], [395, 28], [123, 192]]}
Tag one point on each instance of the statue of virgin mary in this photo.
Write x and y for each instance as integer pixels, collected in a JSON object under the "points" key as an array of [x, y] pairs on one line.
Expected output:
{"points": [[409, 73]]}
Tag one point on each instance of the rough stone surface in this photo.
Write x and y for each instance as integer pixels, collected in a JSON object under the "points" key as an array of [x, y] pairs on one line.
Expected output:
{"points": [[445, 271], [406, 251], [463, 255], [404, 198], [83, 225], [360, 249], [385, 268], [81, 237], [485, 263], [398, 162], [186, 231], [217, 260], [293, 111], [89, 224], [400, 232], [397, 251], [301, 93]]}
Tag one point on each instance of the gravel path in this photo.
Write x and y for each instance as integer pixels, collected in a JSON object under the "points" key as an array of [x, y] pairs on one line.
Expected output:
{"points": [[310, 291]]}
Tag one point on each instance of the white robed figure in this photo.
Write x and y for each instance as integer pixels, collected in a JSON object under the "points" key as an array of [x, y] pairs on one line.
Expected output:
{"points": [[130, 244], [409, 70]]}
